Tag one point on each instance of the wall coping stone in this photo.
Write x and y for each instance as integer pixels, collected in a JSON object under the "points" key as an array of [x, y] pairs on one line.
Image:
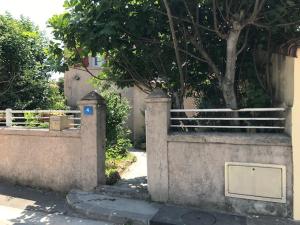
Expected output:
{"points": [[158, 93], [72, 133], [232, 138], [158, 100], [93, 96]]}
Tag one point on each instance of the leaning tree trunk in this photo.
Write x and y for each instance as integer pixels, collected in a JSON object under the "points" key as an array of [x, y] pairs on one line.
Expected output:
{"points": [[228, 81]]}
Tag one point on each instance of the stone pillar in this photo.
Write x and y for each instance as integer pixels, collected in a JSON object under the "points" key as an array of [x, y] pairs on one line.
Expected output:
{"points": [[157, 125], [93, 134], [295, 137]]}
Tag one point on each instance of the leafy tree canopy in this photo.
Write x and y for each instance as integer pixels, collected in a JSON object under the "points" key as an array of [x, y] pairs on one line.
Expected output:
{"points": [[207, 48], [24, 68]]}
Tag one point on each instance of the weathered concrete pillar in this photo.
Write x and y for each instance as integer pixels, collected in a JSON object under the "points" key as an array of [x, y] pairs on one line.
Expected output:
{"points": [[157, 126], [93, 123], [295, 137]]}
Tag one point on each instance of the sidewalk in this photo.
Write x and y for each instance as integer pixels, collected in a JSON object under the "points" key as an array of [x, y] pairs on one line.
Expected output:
{"points": [[23, 205], [119, 210]]}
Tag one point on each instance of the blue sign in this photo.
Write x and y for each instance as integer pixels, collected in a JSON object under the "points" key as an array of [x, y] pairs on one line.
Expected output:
{"points": [[88, 110]]}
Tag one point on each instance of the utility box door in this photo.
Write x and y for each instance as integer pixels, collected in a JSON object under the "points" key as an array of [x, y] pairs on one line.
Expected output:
{"points": [[263, 182]]}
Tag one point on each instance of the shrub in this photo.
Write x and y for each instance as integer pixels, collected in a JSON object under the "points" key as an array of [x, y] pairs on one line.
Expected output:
{"points": [[56, 99], [117, 132], [32, 121]]}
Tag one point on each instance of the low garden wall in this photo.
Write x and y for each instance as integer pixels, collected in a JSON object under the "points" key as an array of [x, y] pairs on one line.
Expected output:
{"points": [[196, 165], [244, 173], [58, 160], [42, 158]]}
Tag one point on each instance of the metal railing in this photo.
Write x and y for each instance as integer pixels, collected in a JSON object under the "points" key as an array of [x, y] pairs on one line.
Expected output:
{"points": [[263, 119], [2, 118], [36, 118]]}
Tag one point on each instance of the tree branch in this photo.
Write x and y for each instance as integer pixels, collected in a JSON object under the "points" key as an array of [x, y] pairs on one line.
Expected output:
{"points": [[187, 21], [256, 10], [9, 85], [245, 43], [221, 35]]}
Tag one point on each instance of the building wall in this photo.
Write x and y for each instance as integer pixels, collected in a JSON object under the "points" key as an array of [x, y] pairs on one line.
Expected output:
{"points": [[295, 124], [286, 92], [139, 107], [282, 78], [77, 84], [128, 93], [76, 88]]}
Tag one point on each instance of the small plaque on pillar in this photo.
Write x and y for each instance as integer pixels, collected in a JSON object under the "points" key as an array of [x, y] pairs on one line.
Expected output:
{"points": [[88, 110]]}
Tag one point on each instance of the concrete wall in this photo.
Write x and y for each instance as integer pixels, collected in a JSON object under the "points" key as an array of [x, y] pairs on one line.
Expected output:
{"points": [[41, 158], [196, 169], [157, 124], [58, 160], [189, 169]]}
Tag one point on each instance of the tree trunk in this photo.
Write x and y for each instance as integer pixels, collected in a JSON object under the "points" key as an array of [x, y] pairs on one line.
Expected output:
{"points": [[228, 82], [177, 54]]}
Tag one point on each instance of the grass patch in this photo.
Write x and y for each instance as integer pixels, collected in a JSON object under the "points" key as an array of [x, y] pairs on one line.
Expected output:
{"points": [[115, 167]]}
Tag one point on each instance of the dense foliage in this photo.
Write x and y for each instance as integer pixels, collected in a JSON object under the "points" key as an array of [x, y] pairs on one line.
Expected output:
{"points": [[117, 132], [24, 68], [206, 48]]}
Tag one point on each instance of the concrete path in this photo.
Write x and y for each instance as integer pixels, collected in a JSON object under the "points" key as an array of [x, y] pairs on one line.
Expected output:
{"points": [[139, 168], [136, 175], [22, 205]]}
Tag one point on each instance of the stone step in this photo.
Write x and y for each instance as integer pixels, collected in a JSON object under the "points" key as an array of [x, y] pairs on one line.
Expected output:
{"points": [[124, 192], [112, 209]]}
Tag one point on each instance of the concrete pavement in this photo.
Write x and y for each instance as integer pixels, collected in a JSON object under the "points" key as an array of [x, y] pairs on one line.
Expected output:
{"points": [[139, 168], [14, 216], [23, 205], [135, 177]]}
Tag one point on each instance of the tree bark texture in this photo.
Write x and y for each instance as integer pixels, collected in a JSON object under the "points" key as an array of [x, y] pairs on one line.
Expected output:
{"points": [[228, 81]]}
